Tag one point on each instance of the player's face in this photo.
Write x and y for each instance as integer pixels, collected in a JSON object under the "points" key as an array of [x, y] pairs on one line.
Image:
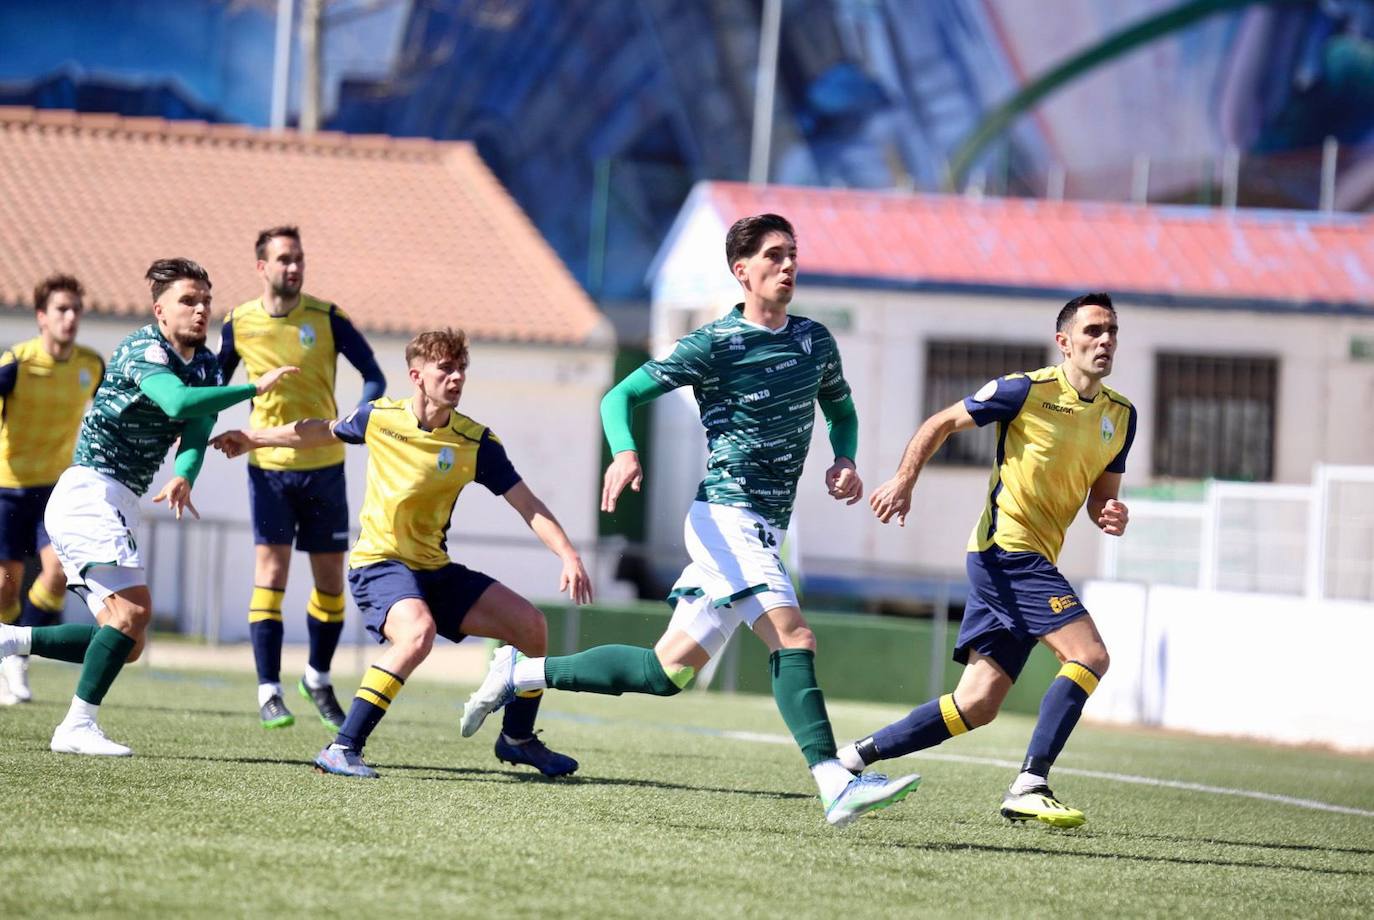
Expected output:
{"points": [[183, 312], [441, 381], [284, 267], [771, 273], [1090, 343], [60, 319]]}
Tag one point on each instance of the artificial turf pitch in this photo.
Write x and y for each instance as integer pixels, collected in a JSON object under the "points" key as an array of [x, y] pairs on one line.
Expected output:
{"points": [[692, 806]]}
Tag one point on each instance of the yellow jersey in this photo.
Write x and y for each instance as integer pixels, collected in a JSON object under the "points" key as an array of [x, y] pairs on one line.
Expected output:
{"points": [[414, 477], [311, 336], [42, 401], [1052, 445]]}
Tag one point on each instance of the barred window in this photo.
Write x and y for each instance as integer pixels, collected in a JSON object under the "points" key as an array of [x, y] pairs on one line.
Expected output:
{"points": [[1215, 417], [956, 369]]}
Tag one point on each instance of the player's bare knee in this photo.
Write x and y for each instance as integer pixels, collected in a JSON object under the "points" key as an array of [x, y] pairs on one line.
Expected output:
{"points": [[980, 710], [1096, 660], [800, 637], [531, 633]]}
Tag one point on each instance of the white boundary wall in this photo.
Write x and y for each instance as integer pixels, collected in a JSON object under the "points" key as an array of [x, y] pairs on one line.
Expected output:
{"points": [[1276, 668]]}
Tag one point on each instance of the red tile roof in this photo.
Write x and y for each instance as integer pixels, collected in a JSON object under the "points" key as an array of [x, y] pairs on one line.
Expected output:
{"points": [[403, 234], [1173, 251]]}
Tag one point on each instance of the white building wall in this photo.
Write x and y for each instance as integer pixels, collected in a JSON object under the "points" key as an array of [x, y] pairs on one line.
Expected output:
{"points": [[543, 403]]}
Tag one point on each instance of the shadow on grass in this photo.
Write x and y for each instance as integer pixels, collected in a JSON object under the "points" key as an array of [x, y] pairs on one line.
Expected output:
{"points": [[1128, 857], [1259, 844], [535, 777], [454, 774]]}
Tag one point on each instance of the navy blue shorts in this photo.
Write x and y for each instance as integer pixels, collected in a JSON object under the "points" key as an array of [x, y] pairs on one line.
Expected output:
{"points": [[22, 533], [1013, 600], [450, 593], [308, 507]]}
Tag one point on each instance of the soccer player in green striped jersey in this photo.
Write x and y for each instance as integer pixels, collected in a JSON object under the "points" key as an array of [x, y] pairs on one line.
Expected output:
{"points": [[160, 387], [757, 374]]}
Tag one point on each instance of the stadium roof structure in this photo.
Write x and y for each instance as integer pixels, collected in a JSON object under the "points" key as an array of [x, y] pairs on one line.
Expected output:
{"points": [[1169, 254], [404, 234]]}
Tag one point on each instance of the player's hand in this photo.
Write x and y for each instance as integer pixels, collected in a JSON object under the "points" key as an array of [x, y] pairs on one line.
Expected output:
{"points": [[575, 581], [268, 380], [892, 498], [623, 471], [1113, 517], [842, 481], [232, 443], [177, 494]]}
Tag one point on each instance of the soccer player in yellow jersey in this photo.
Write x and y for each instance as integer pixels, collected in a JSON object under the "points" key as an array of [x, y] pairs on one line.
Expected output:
{"points": [[296, 494], [45, 384], [422, 453], [1062, 437]]}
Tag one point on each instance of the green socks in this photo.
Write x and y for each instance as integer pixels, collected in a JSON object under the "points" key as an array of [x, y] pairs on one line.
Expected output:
{"points": [[104, 658], [611, 669], [801, 703], [67, 642]]}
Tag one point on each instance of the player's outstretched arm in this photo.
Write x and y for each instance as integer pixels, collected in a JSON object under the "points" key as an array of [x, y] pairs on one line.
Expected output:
{"points": [[1104, 509], [893, 498], [190, 456], [842, 479], [304, 434], [616, 409], [182, 402], [540, 519]]}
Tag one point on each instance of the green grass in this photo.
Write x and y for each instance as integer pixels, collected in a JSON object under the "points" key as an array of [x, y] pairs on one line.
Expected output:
{"points": [[667, 818]]}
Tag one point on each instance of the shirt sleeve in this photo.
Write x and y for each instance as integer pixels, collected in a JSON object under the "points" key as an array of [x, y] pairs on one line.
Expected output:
{"points": [[99, 374], [9, 372], [686, 366], [998, 400], [351, 344], [834, 388], [494, 469], [228, 354], [147, 361], [352, 428], [1118, 464]]}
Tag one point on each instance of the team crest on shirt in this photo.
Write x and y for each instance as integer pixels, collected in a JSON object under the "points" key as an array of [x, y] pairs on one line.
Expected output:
{"points": [[445, 462], [307, 335], [805, 342], [84, 377], [1108, 429]]}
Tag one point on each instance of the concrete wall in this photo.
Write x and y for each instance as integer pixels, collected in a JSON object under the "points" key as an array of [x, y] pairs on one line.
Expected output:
{"points": [[1277, 668], [1325, 409], [542, 401]]}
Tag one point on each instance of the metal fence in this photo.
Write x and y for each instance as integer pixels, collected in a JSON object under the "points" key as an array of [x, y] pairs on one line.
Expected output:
{"points": [[1314, 541]]}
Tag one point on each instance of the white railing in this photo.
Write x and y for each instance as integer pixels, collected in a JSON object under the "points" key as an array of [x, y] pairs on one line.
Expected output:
{"points": [[1312, 540]]}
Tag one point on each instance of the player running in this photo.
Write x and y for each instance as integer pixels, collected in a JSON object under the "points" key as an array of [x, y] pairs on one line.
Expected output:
{"points": [[757, 374], [1062, 435], [45, 384], [160, 386], [295, 494], [421, 455]]}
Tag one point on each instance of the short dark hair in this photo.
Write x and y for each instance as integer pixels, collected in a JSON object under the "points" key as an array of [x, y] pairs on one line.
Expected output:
{"points": [[51, 285], [1070, 310], [271, 233], [747, 233], [437, 345], [163, 273]]}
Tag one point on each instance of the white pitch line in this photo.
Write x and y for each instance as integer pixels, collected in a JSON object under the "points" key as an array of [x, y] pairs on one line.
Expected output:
{"points": [[1313, 804]]}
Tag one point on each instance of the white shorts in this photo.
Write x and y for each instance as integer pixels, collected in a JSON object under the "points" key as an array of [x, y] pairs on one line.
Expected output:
{"points": [[92, 521], [736, 574]]}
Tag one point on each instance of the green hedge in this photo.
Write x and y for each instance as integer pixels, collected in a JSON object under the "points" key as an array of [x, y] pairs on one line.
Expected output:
{"points": [[860, 657]]}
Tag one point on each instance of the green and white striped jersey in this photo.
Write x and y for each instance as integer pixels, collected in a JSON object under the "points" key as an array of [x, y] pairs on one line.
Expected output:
{"points": [[756, 390]]}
